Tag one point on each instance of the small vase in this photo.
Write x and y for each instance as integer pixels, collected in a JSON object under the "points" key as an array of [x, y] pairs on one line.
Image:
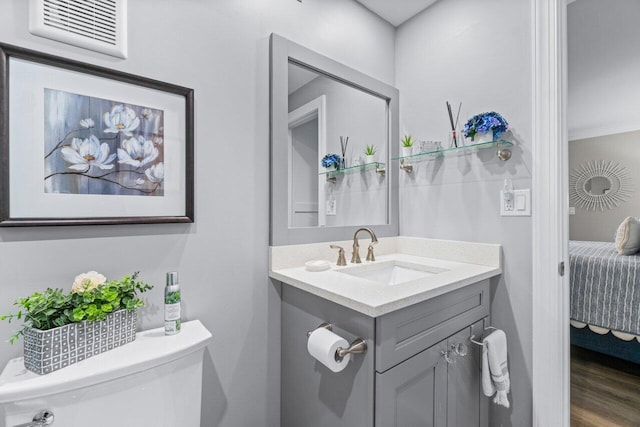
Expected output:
{"points": [[406, 151], [370, 158], [480, 138], [332, 168]]}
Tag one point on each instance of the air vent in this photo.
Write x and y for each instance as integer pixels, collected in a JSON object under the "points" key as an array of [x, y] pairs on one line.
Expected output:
{"points": [[98, 25]]}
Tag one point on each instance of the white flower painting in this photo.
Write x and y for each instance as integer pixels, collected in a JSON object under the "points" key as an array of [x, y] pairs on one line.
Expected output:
{"points": [[99, 146]]}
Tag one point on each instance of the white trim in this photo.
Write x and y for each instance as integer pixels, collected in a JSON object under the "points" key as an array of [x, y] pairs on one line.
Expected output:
{"points": [[316, 108], [550, 292]]}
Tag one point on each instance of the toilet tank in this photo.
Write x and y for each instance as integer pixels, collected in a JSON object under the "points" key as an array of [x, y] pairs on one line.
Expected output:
{"points": [[154, 381]]}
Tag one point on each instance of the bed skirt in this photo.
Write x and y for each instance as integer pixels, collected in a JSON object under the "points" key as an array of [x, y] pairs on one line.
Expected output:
{"points": [[613, 343]]}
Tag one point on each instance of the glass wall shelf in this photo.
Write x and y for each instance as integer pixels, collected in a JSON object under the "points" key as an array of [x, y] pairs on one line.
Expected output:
{"points": [[500, 145], [373, 166]]}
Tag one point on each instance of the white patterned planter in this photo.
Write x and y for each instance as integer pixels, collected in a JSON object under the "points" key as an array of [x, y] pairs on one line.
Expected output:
{"points": [[48, 351]]}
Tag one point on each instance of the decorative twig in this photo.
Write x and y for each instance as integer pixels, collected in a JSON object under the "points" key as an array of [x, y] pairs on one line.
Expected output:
{"points": [[458, 115], [453, 126], [344, 141], [102, 178], [58, 145]]}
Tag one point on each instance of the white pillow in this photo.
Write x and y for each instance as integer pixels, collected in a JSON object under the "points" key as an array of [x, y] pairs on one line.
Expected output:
{"points": [[628, 236]]}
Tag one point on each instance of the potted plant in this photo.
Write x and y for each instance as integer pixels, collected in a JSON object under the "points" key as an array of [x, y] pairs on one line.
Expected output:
{"points": [[331, 162], [61, 328], [407, 146], [370, 154], [485, 127]]}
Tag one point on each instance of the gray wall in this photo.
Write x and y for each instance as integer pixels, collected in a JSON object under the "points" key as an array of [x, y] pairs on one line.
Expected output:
{"points": [[477, 52], [620, 148], [220, 48]]}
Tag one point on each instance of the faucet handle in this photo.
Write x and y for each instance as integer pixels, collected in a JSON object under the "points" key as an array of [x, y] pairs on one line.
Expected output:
{"points": [[370, 256], [341, 259]]}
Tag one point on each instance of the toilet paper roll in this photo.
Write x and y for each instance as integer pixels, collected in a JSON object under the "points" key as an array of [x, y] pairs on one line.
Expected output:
{"points": [[322, 345]]}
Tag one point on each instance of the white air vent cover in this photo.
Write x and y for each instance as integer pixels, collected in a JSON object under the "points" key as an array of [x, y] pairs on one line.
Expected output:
{"points": [[99, 25]]}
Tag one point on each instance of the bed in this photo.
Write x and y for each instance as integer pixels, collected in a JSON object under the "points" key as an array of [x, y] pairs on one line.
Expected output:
{"points": [[605, 299]]}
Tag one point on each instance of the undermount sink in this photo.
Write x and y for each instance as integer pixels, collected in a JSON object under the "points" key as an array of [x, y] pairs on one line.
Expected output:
{"points": [[392, 272]]}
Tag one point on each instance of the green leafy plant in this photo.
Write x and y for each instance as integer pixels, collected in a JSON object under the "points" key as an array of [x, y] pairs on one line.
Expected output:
{"points": [[407, 141], [53, 307], [370, 150]]}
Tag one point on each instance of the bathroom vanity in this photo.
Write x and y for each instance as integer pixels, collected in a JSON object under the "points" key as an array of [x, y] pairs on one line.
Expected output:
{"points": [[420, 369], [416, 306]]}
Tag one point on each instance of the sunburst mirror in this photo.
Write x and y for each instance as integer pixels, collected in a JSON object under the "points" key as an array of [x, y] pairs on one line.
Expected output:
{"points": [[599, 185]]}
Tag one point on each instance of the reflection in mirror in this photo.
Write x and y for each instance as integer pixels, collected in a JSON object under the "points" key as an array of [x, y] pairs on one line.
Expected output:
{"points": [[345, 111], [597, 186], [317, 105]]}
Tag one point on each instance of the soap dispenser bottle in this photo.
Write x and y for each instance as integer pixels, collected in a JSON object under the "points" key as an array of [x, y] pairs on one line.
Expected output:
{"points": [[172, 304]]}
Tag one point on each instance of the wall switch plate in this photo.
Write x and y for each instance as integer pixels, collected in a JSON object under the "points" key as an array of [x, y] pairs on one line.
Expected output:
{"points": [[519, 205], [572, 210]]}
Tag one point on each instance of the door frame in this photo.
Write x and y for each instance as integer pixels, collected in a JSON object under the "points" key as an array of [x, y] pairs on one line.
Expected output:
{"points": [[550, 237], [314, 109]]}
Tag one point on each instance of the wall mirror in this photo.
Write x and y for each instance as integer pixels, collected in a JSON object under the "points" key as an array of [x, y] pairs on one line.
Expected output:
{"points": [[321, 107], [599, 185]]}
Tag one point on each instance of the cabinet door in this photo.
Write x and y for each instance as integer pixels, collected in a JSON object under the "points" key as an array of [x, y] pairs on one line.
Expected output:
{"points": [[414, 393], [466, 405]]}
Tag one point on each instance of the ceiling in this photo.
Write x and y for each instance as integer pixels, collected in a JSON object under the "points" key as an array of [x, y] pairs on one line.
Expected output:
{"points": [[398, 11]]}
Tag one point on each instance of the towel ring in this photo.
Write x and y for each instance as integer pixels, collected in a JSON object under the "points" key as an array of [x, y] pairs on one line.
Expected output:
{"points": [[480, 343]]}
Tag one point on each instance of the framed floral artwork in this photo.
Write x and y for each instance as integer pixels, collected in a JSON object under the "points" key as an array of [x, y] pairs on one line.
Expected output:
{"points": [[82, 144]]}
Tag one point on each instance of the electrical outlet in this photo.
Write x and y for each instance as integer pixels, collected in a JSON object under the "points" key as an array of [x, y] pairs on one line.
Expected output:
{"points": [[331, 206], [517, 205]]}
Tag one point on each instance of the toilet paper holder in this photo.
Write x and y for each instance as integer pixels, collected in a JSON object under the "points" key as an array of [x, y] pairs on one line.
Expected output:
{"points": [[358, 346]]}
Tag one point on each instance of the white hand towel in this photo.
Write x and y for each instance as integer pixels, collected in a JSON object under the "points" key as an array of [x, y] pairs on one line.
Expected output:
{"points": [[495, 373]]}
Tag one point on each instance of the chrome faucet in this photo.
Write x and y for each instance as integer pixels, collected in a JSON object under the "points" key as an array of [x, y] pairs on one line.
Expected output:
{"points": [[355, 256]]}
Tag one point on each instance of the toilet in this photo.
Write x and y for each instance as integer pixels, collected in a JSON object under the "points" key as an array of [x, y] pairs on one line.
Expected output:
{"points": [[154, 381]]}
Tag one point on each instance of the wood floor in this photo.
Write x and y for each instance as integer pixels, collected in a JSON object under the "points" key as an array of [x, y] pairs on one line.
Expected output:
{"points": [[605, 391]]}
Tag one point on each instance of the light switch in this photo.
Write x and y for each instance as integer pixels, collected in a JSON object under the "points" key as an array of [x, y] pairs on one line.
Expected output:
{"points": [[521, 205], [572, 210]]}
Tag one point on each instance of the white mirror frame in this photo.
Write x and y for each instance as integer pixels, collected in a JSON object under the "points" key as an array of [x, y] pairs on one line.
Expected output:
{"points": [[283, 52], [618, 175]]}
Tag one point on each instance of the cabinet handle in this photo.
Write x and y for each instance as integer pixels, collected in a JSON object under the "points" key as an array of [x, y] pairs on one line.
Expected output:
{"points": [[460, 349], [447, 356], [42, 418]]}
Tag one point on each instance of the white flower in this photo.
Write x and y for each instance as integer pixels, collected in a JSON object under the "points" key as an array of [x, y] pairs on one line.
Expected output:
{"points": [[158, 140], [147, 114], [87, 123], [121, 119], [155, 173], [84, 153], [137, 152], [87, 281], [140, 181]]}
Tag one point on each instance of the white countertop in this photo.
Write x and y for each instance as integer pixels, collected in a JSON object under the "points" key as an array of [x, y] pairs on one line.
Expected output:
{"points": [[465, 263]]}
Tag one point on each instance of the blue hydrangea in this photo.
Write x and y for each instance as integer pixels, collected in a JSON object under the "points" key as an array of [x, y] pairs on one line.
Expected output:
{"points": [[330, 160], [483, 123]]}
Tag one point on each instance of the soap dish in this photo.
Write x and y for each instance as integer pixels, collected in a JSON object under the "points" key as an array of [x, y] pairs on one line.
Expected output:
{"points": [[317, 265]]}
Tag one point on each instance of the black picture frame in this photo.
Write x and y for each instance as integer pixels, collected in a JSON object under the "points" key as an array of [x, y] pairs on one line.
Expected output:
{"points": [[185, 195]]}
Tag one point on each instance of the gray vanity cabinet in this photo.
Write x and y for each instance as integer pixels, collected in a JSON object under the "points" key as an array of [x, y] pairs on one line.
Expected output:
{"points": [[414, 393], [402, 380], [428, 390]]}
